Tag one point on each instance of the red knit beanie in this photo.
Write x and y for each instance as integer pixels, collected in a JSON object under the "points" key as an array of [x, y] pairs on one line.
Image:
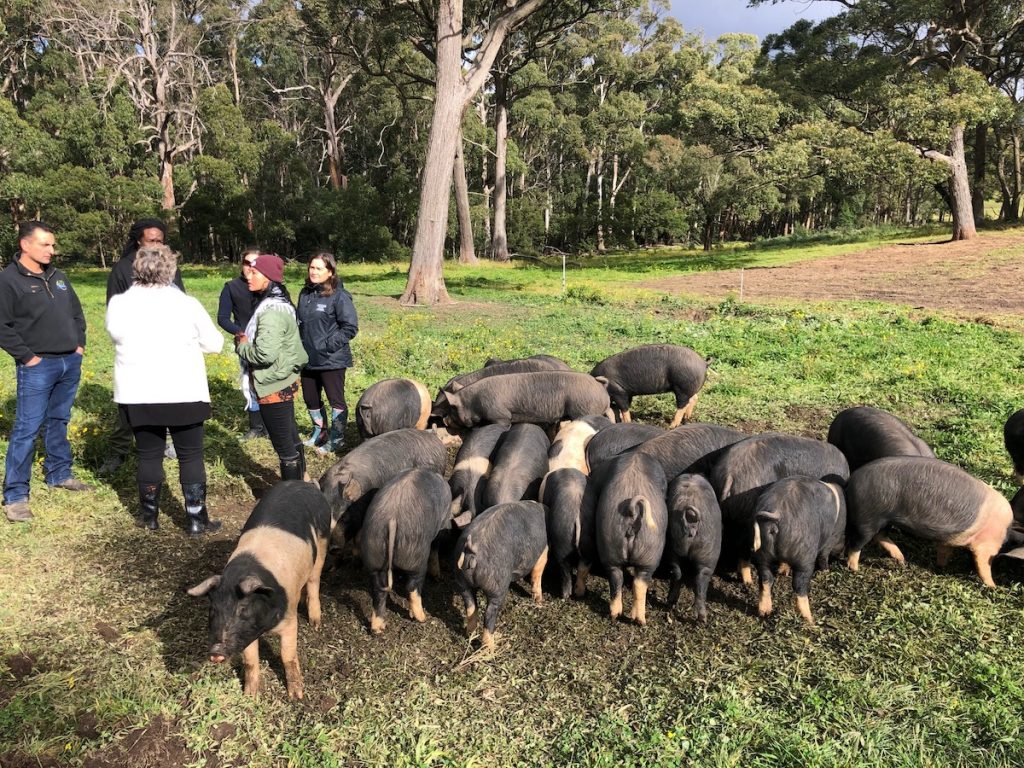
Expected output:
{"points": [[270, 266]]}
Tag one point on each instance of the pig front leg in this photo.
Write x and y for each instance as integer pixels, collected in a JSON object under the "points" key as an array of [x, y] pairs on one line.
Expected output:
{"points": [[251, 668], [494, 605], [700, 591], [290, 656], [378, 600], [615, 591], [313, 587], [641, 583]]}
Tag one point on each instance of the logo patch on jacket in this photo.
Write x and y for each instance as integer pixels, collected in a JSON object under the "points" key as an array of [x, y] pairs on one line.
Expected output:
{"points": [[321, 307], [62, 285]]}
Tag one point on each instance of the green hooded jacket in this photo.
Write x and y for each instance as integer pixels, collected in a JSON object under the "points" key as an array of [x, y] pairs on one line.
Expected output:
{"points": [[275, 354]]}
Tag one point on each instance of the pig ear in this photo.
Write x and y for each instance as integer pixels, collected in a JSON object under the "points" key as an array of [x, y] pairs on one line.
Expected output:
{"points": [[603, 380], [452, 398], [250, 584], [202, 588], [353, 490], [344, 476]]}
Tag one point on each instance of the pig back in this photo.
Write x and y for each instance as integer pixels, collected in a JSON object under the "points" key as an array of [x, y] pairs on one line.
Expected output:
{"points": [[392, 404], [472, 465], [649, 369], [519, 462], [631, 518], [501, 544], [419, 503], [296, 507], [864, 434], [619, 438], [544, 397], [690, 448]]}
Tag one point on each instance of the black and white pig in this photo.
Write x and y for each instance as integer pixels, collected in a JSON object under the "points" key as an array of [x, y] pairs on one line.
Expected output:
{"points": [[518, 464], [630, 527], [864, 434], [617, 439], [472, 466], [280, 552], [800, 522], [651, 369], [349, 485], [930, 499], [744, 470], [690, 448], [694, 536], [503, 544], [1013, 439], [392, 404], [399, 531], [545, 397], [569, 448], [562, 493]]}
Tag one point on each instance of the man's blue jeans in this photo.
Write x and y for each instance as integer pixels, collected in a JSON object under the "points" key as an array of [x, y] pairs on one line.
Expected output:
{"points": [[46, 392]]}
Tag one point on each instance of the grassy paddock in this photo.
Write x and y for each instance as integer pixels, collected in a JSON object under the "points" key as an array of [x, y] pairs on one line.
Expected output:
{"points": [[916, 666]]}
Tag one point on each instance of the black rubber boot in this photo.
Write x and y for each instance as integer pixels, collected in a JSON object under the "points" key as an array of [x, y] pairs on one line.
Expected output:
{"points": [[149, 506], [199, 521], [256, 427], [293, 469]]}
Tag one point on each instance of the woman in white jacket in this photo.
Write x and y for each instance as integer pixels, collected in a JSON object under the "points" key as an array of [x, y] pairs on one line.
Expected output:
{"points": [[160, 335]]}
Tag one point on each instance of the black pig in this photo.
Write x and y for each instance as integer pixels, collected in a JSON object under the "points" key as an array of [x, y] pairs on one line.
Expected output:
{"points": [[472, 466], [281, 551], [694, 535], [493, 367], [929, 499], [392, 404], [691, 448], [505, 543], [864, 434], [518, 464], [349, 485], [545, 397], [617, 439], [651, 369], [630, 527], [1013, 438], [401, 525], [799, 521], [562, 494]]}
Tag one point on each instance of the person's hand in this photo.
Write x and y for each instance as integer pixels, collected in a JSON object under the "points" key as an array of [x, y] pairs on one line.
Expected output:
{"points": [[80, 350], [240, 338], [34, 361]]}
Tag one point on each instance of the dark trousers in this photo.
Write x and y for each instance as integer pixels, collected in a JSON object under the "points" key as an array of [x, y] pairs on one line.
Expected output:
{"points": [[332, 382], [279, 419], [120, 440], [150, 442]]}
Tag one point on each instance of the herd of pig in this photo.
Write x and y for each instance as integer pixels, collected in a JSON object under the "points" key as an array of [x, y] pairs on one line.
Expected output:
{"points": [[604, 492]]}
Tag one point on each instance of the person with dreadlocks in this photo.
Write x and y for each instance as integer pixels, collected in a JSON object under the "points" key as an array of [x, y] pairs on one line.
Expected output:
{"points": [[144, 233], [274, 356]]}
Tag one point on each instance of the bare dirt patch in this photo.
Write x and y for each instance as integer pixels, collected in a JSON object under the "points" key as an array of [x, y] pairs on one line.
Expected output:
{"points": [[981, 276]]}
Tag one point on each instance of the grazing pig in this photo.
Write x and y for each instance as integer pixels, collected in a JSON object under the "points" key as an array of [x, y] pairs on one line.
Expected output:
{"points": [[494, 367], [864, 434], [929, 499], [401, 525], [617, 439], [695, 535], [349, 485], [569, 448], [691, 448], [545, 397], [747, 468], [505, 543], [392, 404], [281, 551], [799, 521], [630, 527], [518, 464], [562, 493], [1013, 438], [531, 363], [651, 369], [472, 466]]}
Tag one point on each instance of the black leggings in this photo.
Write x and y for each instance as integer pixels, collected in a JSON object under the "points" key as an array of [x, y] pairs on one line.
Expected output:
{"points": [[150, 442], [332, 382], [279, 419]]}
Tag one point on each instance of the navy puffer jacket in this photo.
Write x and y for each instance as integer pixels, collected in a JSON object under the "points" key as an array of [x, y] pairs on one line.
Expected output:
{"points": [[326, 325]]}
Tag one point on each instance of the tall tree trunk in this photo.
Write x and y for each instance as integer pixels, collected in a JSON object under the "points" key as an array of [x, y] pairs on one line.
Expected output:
{"points": [[426, 281], [462, 207], [980, 158], [600, 200], [960, 189], [499, 236], [167, 202]]}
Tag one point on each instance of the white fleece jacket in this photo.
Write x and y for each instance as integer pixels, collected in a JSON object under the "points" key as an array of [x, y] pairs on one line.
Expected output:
{"points": [[160, 335]]}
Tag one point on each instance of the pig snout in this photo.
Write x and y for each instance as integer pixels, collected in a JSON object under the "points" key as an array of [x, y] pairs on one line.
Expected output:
{"points": [[218, 653]]}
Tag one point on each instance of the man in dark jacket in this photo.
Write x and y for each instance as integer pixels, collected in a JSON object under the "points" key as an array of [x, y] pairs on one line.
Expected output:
{"points": [[144, 233], [42, 327]]}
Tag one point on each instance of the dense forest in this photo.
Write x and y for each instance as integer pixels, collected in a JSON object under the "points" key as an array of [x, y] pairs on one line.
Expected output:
{"points": [[576, 125]]}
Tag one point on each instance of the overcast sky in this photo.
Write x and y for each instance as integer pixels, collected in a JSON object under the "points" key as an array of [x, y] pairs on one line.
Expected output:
{"points": [[716, 17]]}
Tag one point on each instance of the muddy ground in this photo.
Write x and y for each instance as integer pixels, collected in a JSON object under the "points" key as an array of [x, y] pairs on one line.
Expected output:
{"points": [[980, 277]]}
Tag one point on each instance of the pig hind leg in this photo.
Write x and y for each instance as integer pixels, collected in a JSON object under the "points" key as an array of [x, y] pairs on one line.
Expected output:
{"points": [[535, 576], [494, 605], [801, 588], [700, 592], [472, 615], [685, 403], [379, 599], [564, 577], [764, 572], [675, 583], [615, 591], [582, 571], [890, 548], [859, 533], [416, 595], [998, 517], [641, 583]]}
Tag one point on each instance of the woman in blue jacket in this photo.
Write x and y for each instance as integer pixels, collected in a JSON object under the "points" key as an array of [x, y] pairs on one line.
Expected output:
{"points": [[327, 322]]}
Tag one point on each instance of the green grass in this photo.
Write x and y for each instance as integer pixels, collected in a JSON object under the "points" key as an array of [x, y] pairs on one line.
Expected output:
{"points": [[910, 667]]}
